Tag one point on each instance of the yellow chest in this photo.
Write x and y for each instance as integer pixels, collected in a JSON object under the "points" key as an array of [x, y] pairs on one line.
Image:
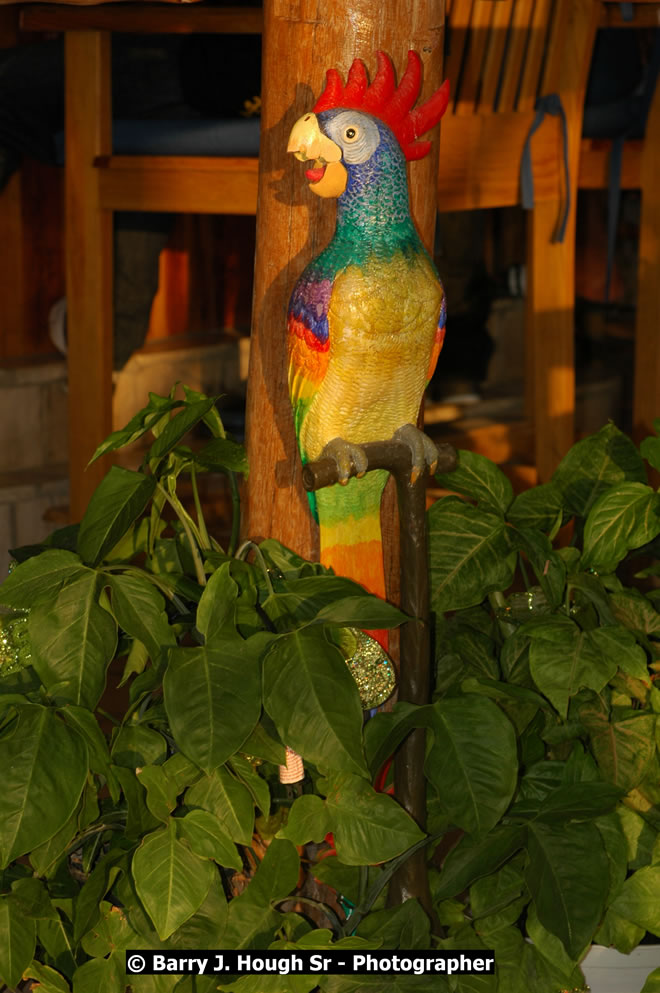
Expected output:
{"points": [[382, 322]]}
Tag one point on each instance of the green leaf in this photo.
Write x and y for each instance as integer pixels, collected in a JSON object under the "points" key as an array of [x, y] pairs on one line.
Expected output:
{"points": [[38, 795], [207, 839], [73, 641], [625, 517], [48, 980], [469, 860], [406, 926], [650, 450], [99, 757], [116, 503], [18, 936], [178, 427], [367, 826], [472, 762], [39, 578], [638, 899], [161, 790], [139, 819], [228, 800], [578, 801], [215, 612], [594, 464], [101, 975], [222, 455], [313, 700], [568, 878], [257, 785], [622, 749], [261, 745], [652, 984], [139, 609], [538, 508], [469, 554], [632, 608], [32, 899], [563, 659], [111, 930], [138, 425], [308, 821], [212, 699], [171, 881], [361, 611], [616, 931], [206, 927], [640, 837], [478, 478], [136, 745], [252, 919], [546, 563], [385, 731]]}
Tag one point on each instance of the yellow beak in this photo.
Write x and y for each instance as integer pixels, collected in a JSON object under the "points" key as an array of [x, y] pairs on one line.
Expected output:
{"points": [[327, 177]]}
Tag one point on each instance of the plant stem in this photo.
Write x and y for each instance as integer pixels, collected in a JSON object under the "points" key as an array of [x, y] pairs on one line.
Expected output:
{"points": [[498, 602], [194, 550], [241, 554], [236, 513], [201, 523]]}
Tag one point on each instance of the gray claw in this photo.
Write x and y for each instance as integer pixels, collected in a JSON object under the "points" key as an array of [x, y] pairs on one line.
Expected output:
{"points": [[349, 459], [422, 450]]}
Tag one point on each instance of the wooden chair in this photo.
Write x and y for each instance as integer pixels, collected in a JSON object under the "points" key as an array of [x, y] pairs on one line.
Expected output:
{"points": [[98, 182], [502, 56]]}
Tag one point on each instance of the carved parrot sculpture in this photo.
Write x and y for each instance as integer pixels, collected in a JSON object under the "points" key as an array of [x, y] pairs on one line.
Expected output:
{"points": [[366, 318]]}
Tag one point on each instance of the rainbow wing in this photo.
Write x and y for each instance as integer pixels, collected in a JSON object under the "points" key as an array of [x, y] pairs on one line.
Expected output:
{"points": [[308, 342], [439, 338]]}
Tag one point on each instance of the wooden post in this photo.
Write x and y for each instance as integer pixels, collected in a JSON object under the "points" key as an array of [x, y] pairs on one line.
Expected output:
{"points": [[89, 258], [550, 301], [302, 39]]}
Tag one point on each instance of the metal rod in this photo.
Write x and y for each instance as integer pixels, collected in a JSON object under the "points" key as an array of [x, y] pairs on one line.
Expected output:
{"points": [[411, 879]]}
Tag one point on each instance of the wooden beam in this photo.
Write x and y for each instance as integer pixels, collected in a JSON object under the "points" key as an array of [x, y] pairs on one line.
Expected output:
{"points": [[186, 184], [480, 160], [89, 260], [138, 18]]}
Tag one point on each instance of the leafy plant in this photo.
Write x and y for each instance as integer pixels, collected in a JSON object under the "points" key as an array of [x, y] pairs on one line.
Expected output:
{"points": [[143, 720]]}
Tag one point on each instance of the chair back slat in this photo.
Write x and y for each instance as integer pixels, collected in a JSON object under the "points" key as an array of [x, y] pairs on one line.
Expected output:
{"points": [[537, 47], [458, 23], [473, 62], [494, 57], [515, 55]]}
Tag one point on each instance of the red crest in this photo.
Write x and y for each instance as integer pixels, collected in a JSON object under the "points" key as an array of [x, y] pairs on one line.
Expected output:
{"points": [[392, 104]]}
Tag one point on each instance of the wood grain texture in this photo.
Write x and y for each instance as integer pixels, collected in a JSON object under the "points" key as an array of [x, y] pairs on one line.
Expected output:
{"points": [[515, 56], [473, 66], [186, 184], [303, 38], [646, 402], [89, 261], [493, 59], [480, 160]]}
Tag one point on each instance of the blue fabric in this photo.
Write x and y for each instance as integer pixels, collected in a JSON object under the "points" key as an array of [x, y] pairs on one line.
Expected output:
{"points": [[550, 104], [191, 136]]}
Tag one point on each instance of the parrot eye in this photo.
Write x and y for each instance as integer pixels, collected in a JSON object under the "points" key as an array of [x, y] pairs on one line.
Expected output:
{"points": [[350, 134]]}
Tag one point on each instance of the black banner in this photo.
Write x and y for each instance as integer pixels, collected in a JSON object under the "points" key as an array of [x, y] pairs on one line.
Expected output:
{"points": [[333, 961]]}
